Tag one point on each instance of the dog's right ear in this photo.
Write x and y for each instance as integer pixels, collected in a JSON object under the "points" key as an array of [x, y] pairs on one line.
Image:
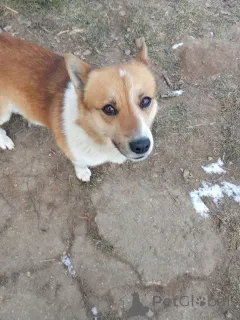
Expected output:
{"points": [[143, 54], [78, 70]]}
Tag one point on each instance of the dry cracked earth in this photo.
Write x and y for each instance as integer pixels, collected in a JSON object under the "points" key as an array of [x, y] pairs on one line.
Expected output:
{"points": [[138, 248]]}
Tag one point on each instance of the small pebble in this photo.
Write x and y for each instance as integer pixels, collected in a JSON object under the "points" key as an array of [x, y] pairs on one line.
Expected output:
{"points": [[210, 158], [150, 314], [187, 175], [128, 29], [122, 13], [44, 228], [87, 52], [127, 52], [139, 42], [28, 24], [228, 315], [7, 28], [227, 13], [77, 30]]}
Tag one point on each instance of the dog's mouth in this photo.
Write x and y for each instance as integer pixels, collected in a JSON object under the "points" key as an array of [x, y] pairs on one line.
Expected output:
{"points": [[116, 146], [138, 158]]}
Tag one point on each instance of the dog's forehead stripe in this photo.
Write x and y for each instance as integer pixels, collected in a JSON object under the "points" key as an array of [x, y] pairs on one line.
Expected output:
{"points": [[131, 92], [122, 72], [129, 86], [127, 78]]}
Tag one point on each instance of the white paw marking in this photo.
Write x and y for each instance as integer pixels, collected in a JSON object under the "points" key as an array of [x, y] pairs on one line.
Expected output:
{"points": [[5, 141], [83, 174]]}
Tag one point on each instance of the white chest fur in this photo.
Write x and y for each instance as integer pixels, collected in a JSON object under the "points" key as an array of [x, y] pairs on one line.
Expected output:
{"points": [[85, 150]]}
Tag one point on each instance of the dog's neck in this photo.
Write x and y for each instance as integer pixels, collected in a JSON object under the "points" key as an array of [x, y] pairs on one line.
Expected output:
{"points": [[74, 115]]}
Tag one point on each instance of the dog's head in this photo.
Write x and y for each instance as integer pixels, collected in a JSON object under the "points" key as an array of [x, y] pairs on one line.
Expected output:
{"points": [[117, 102]]}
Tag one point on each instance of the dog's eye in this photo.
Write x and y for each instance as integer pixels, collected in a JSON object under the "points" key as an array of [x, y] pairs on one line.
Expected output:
{"points": [[109, 110], [145, 102]]}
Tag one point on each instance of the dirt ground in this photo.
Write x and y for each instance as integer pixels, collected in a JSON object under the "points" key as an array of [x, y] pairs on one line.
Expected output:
{"points": [[138, 248]]}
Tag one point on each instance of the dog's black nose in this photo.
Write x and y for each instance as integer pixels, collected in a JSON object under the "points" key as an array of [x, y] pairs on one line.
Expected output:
{"points": [[140, 146]]}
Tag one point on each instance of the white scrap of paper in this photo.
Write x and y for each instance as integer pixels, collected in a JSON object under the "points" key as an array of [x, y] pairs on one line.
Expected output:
{"points": [[177, 45], [67, 262], [95, 313]]}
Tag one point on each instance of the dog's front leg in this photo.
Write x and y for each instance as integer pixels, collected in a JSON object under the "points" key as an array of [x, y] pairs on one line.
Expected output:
{"points": [[82, 172]]}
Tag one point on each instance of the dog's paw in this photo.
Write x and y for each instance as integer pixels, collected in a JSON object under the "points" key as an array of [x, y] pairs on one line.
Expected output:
{"points": [[5, 141], [83, 174]]}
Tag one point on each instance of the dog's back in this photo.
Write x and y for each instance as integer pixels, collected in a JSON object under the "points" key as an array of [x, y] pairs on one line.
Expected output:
{"points": [[30, 73]]}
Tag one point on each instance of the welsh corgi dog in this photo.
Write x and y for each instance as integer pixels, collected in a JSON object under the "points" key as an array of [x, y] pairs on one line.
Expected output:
{"points": [[96, 115]]}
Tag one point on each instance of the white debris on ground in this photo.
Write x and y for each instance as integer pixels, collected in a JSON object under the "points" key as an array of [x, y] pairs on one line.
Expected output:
{"points": [[171, 94], [95, 313], [67, 262], [177, 45], [215, 167], [215, 191], [198, 204], [177, 92]]}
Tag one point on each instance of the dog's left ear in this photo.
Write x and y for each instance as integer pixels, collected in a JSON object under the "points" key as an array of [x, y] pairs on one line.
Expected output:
{"points": [[78, 70], [143, 54]]}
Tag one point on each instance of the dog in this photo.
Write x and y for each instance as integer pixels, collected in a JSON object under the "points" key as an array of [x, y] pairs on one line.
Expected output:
{"points": [[96, 115]]}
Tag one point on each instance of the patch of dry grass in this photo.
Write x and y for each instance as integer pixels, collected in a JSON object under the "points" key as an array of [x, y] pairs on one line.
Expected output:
{"points": [[164, 26], [91, 16], [150, 26], [176, 21], [227, 91], [98, 240], [34, 6], [94, 19], [174, 120], [109, 316]]}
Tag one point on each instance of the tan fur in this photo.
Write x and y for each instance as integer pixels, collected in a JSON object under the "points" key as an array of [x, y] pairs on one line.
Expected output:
{"points": [[34, 80], [125, 125]]}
